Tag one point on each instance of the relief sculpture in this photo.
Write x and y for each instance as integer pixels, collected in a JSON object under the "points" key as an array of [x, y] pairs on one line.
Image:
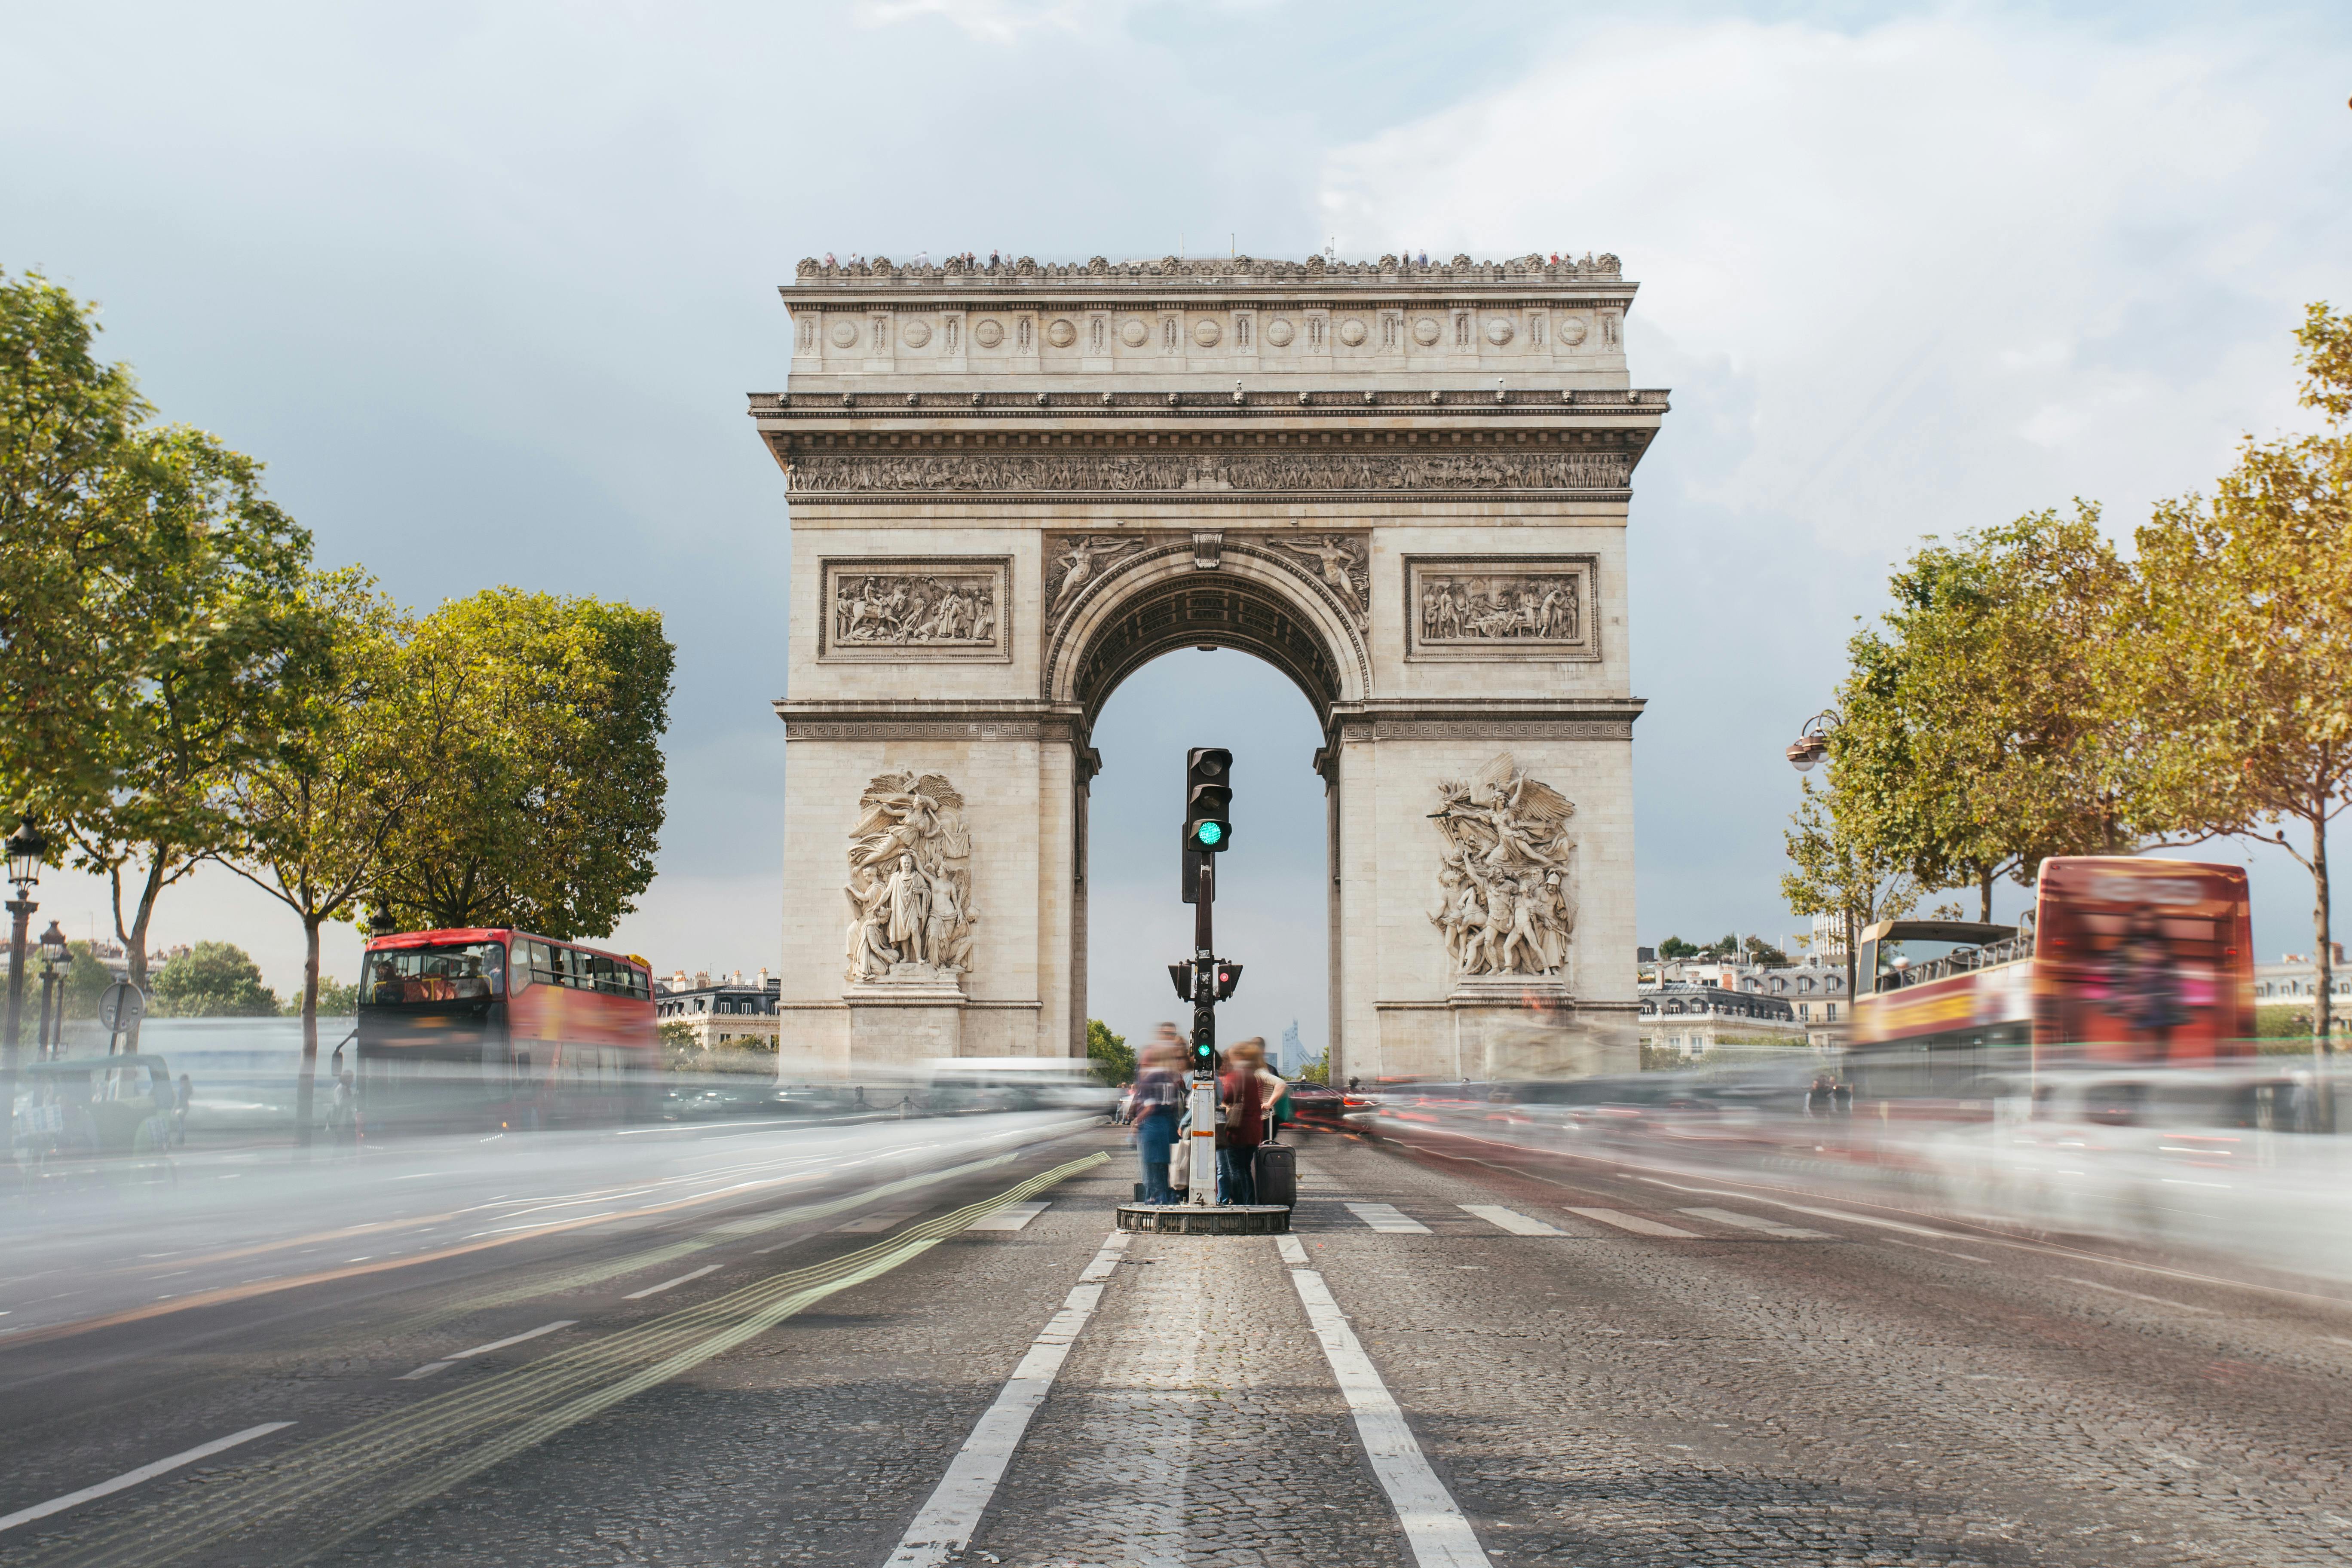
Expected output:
{"points": [[1506, 878], [909, 887], [817, 473], [942, 610], [1501, 606], [1081, 559], [1339, 561]]}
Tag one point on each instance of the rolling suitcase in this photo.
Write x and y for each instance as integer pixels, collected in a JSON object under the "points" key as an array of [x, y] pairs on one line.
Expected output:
{"points": [[1277, 1169]]}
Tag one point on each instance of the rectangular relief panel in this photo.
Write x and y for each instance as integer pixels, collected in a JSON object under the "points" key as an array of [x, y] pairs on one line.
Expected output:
{"points": [[1502, 606], [897, 609]]}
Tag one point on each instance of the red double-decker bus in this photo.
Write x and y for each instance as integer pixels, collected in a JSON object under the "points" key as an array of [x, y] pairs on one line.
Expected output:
{"points": [[498, 1027], [2123, 961]]}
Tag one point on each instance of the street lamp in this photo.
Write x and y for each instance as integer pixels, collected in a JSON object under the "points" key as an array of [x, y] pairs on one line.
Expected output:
{"points": [[1812, 742], [25, 848], [54, 956]]}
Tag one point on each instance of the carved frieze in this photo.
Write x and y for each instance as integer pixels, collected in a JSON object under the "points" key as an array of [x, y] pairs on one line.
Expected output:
{"points": [[909, 887], [1507, 875], [1075, 560], [1343, 562], [897, 608], [1501, 606], [822, 473]]}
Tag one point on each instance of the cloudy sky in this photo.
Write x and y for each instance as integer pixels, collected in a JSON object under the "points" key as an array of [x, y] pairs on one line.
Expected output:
{"points": [[484, 286]]}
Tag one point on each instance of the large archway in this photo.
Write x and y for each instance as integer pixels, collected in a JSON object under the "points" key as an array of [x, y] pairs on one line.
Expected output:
{"points": [[1403, 486]]}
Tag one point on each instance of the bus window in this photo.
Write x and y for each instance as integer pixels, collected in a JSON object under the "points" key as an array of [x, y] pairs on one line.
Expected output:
{"points": [[453, 972]]}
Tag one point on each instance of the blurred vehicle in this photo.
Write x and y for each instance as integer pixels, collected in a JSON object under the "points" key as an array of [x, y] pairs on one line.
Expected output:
{"points": [[501, 1028], [87, 1109], [2122, 960], [1317, 1104], [961, 1086]]}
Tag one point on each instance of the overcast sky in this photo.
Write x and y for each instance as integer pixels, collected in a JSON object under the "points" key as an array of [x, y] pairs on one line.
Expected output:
{"points": [[484, 286]]}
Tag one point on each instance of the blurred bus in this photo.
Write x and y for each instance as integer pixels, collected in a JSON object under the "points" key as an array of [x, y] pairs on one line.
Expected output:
{"points": [[966, 1085], [2123, 961], [501, 1028]]}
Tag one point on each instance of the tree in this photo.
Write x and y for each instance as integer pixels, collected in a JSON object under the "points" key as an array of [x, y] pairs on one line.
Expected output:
{"points": [[1113, 1059], [1763, 954], [336, 1000], [315, 813], [541, 804], [1318, 1070], [1675, 947], [68, 426], [1987, 722], [85, 982], [1837, 870], [2249, 666], [213, 980]]}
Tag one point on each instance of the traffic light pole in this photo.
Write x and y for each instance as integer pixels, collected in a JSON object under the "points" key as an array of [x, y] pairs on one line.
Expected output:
{"points": [[1203, 1189]]}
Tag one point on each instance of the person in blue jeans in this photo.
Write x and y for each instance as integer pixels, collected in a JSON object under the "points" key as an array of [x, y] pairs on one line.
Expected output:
{"points": [[1158, 1088]]}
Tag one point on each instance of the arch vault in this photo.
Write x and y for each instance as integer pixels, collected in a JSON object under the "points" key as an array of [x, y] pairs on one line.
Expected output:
{"points": [[1404, 486]]}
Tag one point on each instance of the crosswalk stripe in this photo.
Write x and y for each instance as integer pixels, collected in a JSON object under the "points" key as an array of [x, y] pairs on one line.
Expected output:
{"points": [[1012, 1216], [1769, 1226], [1511, 1220], [1389, 1218], [1634, 1223]]}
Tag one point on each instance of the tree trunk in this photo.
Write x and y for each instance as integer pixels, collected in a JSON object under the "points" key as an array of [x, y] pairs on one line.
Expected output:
{"points": [[1984, 896], [1853, 959], [134, 941], [2324, 968], [306, 1086]]}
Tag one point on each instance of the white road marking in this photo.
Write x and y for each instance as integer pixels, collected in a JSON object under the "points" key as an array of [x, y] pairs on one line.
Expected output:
{"points": [[1440, 1536], [516, 1339], [1634, 1223], [944, 1526], [1388, 1219], [666, 1284], [1511, 1220], [1753, 1222], [1939, 1251], [2152, 1301], [868, 1225], [427, 1370], [144, 1472], [1012, 1216], [1823, 1214], [1294, 1251]]}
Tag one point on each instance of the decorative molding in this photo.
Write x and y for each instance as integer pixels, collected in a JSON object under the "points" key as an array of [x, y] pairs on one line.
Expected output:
{"points": [[1514, 607], [1191, 473], [1239, 271], [894, 609]]}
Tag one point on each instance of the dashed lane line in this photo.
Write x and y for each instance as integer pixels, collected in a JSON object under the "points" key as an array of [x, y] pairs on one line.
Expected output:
{"points": [[1757, 1222], [1635, 1223], [872, 1224], [670, 1284], [2137, 1296], [1012, 1216], [515, 1339], [351, 1481], [1388, 1219], [143, 1473], [1511, 1220], [944, 1526], [1434, 1525]]}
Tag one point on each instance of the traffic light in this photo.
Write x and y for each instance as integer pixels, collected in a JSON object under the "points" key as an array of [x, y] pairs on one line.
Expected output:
{"points": [[1228, 976], [1205, 1049], [1208, 799], [1181, 973]]}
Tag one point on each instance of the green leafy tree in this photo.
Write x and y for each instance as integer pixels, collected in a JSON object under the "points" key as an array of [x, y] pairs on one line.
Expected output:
{"points": [[337, 999], [1758, 952], [85, 982], [1837, 870], [1675, 947], [315, 813], [542, 779], [213, 980], [1989, 719], [1318, 1070], [2248, 601], [1113, 1058]]}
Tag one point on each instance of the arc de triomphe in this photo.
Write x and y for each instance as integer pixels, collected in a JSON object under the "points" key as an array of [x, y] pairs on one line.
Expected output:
{"points": [[1405, 486]]}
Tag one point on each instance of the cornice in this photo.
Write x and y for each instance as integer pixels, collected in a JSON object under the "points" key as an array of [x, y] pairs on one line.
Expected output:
{"points": [[1186, 279], [1263, 404]]}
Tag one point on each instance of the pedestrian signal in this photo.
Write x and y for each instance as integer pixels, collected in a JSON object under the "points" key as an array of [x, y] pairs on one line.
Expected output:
{"points": [[1228, 976]]}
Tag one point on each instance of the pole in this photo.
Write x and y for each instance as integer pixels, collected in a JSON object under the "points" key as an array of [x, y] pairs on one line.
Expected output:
{"points": [[41, 1035], [22, 908], [1204, 1191]]}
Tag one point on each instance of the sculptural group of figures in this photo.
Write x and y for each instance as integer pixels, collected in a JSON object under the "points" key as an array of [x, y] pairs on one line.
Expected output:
{"points": [[909, 888], [1545, 607], [1506, 881], [878, 609]]}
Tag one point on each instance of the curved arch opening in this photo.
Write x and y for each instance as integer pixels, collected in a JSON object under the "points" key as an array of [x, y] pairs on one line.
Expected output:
{"points": [[1206, 610], [1273, 910]]}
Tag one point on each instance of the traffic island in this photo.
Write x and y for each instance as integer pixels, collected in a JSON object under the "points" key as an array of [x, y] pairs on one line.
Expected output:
{"points": [[1191, 1220]]}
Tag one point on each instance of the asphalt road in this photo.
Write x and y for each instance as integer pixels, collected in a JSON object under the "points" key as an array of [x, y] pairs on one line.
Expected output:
{"points": [[1455, 1361]]}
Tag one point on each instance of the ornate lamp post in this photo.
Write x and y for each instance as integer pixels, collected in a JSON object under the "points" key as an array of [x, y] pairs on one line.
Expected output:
{"points": [[25, 848], [1812, 742], [54, 956]]}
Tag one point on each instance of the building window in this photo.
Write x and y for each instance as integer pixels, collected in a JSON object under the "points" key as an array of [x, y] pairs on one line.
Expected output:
{"points": [[1828, 1013]]}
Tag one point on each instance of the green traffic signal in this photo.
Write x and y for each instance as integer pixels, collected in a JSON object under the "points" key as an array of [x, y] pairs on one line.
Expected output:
{"points": [[1210, 834]]}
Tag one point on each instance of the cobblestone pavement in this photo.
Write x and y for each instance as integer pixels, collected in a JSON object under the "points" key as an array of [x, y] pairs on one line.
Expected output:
{"points": [[1675, 1374]]}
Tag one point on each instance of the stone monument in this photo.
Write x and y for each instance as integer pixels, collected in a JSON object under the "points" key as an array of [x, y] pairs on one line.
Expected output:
{"points": [[1404, 485]]}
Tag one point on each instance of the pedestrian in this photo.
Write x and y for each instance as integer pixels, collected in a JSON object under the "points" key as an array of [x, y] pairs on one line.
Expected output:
{"points": [[1840, 1096], [1157, 1090], [1242, 1091], [1817, 1096], [180, 1111], [343, 1114]]}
